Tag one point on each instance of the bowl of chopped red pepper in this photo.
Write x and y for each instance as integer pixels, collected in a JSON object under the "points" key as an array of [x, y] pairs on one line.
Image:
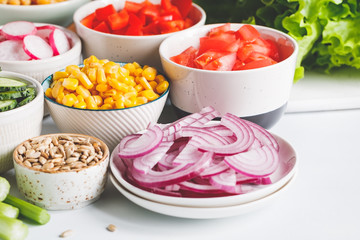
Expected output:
{"points": [[243, 69], [132, 30]]}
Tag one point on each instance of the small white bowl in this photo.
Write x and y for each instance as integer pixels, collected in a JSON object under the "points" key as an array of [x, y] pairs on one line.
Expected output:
{"points": [[108, 125], [121, 48], [40, 69], [259, 95], [21, 123], [62, 190], [56, 13]]}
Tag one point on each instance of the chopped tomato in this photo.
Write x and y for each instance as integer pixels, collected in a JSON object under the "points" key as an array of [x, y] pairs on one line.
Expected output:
{"points": [[221, 29], [88, 20], [257, 64], [184, 6], [133, 6], [119, 20], [186, 58], [223, 63], [205, 58], [102, 27], [223, 49], [248, 33], [102, 13], [146, 18]]}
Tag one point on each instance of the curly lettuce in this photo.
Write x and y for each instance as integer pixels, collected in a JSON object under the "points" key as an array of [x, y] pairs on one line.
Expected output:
{"points": [[327, 31]]}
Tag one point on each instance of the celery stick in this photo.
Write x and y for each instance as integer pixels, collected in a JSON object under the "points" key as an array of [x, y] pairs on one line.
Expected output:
{"points": [[4, 188], [8, 210], [12, 228], [28, 210]]}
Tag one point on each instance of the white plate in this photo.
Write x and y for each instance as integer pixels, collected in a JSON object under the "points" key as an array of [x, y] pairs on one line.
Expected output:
{"points": [[286, 169], [201, 212]]}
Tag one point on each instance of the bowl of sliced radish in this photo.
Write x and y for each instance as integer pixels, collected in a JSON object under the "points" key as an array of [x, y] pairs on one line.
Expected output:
{"points": [[242, 69], [37, 49], [57, 12], [21, 113]]}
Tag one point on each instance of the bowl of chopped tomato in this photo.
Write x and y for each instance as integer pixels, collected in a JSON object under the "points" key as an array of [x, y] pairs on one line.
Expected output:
{"points": [[132, 30], [243, 69]]}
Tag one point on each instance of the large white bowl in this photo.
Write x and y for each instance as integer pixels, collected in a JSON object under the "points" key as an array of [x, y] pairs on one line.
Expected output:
{"points": [[259, 95], [108, 125], [57, 13], [121, 48], [21, 123], [40, 69], [61, 190]]}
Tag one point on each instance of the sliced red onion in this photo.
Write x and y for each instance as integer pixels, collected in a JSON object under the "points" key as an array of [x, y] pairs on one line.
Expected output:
{"points": [[259, 162], [144, 144], [245, 137], [263, 135], [225, 181], [215, 169], [146, 162]]}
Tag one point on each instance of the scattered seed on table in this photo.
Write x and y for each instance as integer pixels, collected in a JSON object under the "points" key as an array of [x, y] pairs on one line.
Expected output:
{"points": [[111, 228], [67, 233]]}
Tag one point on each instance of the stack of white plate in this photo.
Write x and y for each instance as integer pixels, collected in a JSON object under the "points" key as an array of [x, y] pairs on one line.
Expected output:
{"points": [[212, 207]]}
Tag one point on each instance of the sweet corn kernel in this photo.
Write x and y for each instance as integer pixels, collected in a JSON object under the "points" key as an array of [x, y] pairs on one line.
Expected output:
{"points": [[138, 72], [84, 80], [91, 72], [60, 96], [81, 105], [141, 100], [69, 100], [58, 75], [103, 87], [139, 88], [149, 73], [119, 103], [162, 87], [70, 83], [100, 76], [144, 83], [83, 91], [118, 85], [109, 93], [111, 67], [149, 94], [57, 89], [130, 95], [130, 102], [159, 78], [123, 71], [106, 106], [103, 61], [80, 98], [90, 103], [153, 84], [71, 69], [109, 100], [48, 93], [130, 67], [118, 95], [98, 99], [91, 59], [136, 65]]}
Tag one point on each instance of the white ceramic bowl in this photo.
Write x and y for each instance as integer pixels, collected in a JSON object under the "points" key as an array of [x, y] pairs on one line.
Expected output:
{"points": [[21, 123], [57, 13], [108, 125], [40, 69], [259, 95], [120, 48], [286, 170], [61, 190]]}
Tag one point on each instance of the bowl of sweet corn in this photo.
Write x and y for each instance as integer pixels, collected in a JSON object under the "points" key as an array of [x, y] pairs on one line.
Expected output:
{"points": [[217, 77], [58, 12], [105, 99], [126, 47]]}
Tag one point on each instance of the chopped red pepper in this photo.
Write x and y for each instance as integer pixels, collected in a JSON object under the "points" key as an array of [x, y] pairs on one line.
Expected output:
{"points": [[102, 13], [119, 20]]}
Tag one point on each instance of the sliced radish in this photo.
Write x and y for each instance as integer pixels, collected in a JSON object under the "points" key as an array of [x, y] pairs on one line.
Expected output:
{"points": [[59, 42], [18, 30], [36, 47], [12, 50], [45, 31]]}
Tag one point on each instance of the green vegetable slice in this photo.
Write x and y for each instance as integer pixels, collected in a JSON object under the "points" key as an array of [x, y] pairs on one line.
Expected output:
{"points": [[25, 101], [4, 188], [8, 84], [8, 210], [8, 95], [12, 228]]}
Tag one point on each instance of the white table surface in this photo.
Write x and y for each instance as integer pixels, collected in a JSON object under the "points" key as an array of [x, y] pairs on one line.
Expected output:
{"points": [[322, 203]]}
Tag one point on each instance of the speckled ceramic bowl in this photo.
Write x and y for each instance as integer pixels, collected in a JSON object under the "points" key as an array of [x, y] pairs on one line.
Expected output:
{"points": [[61, 189]]}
